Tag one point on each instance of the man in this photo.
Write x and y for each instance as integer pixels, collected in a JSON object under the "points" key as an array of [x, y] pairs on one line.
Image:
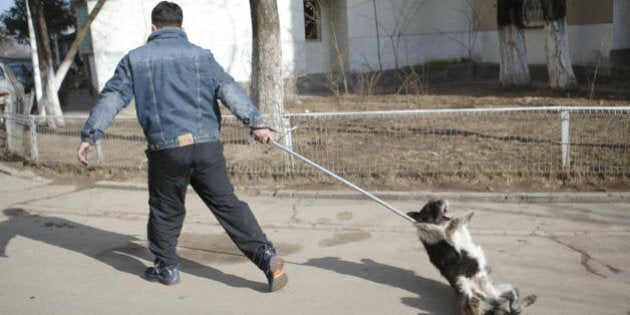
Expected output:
{"points": [[176, 86]]}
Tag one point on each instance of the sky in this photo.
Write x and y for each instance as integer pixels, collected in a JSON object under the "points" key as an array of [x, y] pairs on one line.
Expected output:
{"points": [[5, 5]]}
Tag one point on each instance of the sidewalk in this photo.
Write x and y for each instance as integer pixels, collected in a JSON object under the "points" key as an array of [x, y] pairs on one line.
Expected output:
{"points": [[66, 250]]}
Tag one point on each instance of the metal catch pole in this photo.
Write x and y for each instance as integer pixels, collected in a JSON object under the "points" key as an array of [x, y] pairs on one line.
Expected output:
{"points": [[357, 188]]}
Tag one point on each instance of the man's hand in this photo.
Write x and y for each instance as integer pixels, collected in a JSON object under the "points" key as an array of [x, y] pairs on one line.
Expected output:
{"points": [[263, 135], [83, 153]]}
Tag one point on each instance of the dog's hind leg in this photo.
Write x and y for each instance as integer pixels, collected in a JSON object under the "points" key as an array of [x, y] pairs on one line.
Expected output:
{"points": [[486, 286], [469, 306], [517, 307], [464, 287], [511, 293]]}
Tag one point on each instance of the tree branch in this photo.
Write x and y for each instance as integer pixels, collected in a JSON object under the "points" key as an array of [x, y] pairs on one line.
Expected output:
{"points": [[68, 59]]}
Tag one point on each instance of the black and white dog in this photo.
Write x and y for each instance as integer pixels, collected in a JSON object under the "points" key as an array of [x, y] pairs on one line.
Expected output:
{"points": [[463, 263]]}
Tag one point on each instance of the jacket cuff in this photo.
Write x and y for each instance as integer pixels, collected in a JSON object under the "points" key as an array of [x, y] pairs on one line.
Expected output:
{"points": [[251, 129], [91, 136]]}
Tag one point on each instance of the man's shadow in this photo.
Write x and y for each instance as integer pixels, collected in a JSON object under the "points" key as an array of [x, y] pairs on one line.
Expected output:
{"points": [[119, 251], [432, 297]]}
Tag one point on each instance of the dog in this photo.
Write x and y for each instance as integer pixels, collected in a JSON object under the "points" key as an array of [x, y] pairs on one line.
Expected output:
{"points": [[463, 263]]}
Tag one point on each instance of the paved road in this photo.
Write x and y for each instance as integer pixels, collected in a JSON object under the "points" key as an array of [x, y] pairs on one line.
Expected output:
{"points": [[71, 250]]}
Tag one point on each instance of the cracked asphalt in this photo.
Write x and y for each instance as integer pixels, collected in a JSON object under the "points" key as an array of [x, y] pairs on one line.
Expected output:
{"points": [[71, 250]]}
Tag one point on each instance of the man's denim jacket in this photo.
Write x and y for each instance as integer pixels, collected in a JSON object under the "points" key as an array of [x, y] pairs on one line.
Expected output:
{"points": [[176, 86]]}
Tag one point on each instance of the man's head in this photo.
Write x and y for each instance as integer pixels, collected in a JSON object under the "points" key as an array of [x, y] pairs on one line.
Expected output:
{"points": [[166, 14]]}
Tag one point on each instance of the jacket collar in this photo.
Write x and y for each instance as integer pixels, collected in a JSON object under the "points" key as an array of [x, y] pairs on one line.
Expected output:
{"points": [[168, 32]]}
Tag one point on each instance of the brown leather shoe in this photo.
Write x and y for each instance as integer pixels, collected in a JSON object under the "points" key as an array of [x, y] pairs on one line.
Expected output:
{"points": [[276, 275]]}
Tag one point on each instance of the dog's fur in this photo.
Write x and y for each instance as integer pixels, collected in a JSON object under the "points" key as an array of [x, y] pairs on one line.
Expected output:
{"points": [[462, 262]]}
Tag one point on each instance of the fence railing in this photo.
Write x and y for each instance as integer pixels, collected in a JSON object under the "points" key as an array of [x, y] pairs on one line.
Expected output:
{"points": [[587, 140]]}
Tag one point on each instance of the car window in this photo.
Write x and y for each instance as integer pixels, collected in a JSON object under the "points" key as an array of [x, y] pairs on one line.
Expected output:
{"points": [[9, 74], [1, 73], [17, 69]]}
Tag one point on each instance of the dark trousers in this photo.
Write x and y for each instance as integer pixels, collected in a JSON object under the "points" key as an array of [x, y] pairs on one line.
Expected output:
{"points": [[203, 166]]}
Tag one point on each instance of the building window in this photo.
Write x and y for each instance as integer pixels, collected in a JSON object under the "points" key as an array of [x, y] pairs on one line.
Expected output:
{"points": [[533, 14], [312, 20]]}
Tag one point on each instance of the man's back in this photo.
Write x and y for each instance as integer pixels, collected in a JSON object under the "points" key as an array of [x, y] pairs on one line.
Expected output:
{"points": [[176, 85]]}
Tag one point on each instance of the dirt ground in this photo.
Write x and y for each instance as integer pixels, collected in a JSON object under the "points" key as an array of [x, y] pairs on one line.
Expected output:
{"points": [[471, 95]]}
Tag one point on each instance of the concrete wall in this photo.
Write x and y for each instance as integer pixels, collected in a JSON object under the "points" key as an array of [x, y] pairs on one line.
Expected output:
{"points": [[621, 33], [409, 32], [579, 12], [590, 33], [588, 45], [398, 33]]}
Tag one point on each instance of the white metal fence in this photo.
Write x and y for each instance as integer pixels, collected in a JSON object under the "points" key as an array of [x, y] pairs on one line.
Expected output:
{"points": [[537, 140]]}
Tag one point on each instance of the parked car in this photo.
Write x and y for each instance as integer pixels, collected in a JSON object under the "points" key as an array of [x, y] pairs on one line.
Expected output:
{"points": [[11, 91], [24, 73]]}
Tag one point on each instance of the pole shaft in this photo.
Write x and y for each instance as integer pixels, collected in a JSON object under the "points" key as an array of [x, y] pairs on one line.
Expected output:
{"points": [[339, 178]]}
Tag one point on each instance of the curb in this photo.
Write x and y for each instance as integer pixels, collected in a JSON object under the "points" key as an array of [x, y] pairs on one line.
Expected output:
{"points": [[20, 173], [508, 197], [499, 197]]}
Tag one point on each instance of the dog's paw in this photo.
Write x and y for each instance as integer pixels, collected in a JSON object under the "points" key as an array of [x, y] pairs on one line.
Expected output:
{"points": [[429, 233], [474, 305], [518, 306], [468, 215], [453, 225], [529, 300]]}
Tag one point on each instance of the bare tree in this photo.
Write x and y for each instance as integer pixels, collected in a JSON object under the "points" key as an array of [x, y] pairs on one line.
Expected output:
{"points": [[64, 66], [514, 70], [50, 99], [267, 88], [340, 52], [557, 45], [49, 103], [473, 16]]}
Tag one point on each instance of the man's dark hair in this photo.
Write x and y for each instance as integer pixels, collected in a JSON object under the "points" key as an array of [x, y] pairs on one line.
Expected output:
{"points": [[167, 14]]}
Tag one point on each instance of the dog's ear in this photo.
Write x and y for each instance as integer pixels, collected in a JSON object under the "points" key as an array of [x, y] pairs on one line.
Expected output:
{"points": [[414, 215]]}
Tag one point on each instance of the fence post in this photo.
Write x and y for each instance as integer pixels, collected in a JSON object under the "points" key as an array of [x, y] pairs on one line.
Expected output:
{"points": [[34, 143], [9, 124], [99, 151], [566, 140], [288, 143]]}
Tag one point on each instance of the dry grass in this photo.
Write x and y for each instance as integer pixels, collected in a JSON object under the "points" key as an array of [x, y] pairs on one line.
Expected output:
{"points": [[426, 153]]}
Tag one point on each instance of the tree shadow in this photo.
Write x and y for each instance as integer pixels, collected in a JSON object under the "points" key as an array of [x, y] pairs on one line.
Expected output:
{"points": [[431, 297], [119, 251]]}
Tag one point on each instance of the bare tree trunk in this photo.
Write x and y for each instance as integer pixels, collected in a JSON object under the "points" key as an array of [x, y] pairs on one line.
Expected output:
{"points": [[64, 66], [37, 76], [267, 88], [339, 53], [514, 70], [50, 97], [559, 65]]}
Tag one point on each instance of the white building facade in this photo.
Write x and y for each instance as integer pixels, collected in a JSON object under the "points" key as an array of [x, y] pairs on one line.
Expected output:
{"points": [[321, 36]]}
